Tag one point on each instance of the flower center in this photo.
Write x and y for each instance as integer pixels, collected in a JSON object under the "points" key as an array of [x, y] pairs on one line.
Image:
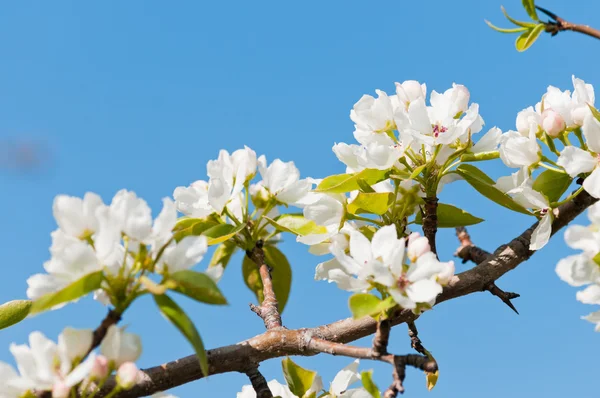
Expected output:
{"points": [[437, 130], [402, 282]]}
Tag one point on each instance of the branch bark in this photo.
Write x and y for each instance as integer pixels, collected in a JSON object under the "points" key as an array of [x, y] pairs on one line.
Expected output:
{"points": [[259, 383], [560, 25], [269, 309], [281, 342], [430, 221]]}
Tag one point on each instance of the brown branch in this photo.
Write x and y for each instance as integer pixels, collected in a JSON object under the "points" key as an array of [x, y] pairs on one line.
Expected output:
{"points": [[400, 362], [415, 341], [269, 309], [382, 337], [259, 383], [430, 221], [112, 318], [282, 342], [560, 25], [468, 251]]}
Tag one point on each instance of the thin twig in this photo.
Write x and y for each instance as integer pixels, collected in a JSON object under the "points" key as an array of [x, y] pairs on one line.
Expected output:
{"points": [[560, 25], [415, 341], [259, 383], [268, 310], [382, 337], [467, 251]]}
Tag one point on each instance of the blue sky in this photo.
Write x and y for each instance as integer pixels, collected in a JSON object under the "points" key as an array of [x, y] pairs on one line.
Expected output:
{"points": [[140, 94]]}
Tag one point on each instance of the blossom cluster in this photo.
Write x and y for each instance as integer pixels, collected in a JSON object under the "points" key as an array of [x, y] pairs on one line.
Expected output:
{"points": [[549, 123], [583, 269], [406, 268], [61, 367]]}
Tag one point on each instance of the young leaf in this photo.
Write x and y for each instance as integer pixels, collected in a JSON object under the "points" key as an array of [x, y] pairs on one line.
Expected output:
{"points": [[75, 290], [223, 254], [595, 112], [192, 227], [296, 224], [198, 286], [299, 380], [417, 171], [13, 312], [342, 183], [222, 232], [525, 40], [481, 182], [518, 23], [529, 6], [375, 203], [367, 381], [451, 217], [363, 304], [364, 186], [552, 184], [177, 317], [431, 379], [504, 30]]}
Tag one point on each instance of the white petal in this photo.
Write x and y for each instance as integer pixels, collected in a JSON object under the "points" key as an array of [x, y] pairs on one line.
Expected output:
{"points": [[592, 183], [345, 378], [590, 295], [541, 234], [591, 132], [489, 142], [383, 243], [423, 291], [575, 160], [360, 248], [580, 237]]}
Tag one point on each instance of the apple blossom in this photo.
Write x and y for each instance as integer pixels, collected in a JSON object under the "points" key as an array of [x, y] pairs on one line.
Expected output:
{"points": [[489, 142], [409, 91], [282, 181], [193, 201], [76, 217], [373, 114], [519, 151], [126, 375], [528, 119]]}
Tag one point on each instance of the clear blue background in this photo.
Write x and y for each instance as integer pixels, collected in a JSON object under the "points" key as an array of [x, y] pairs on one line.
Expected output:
{"points": [[140, 94]]}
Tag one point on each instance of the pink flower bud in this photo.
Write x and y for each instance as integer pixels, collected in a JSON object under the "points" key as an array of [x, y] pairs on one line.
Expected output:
{"points": [[417, 246], [553, 123], [99, 368], [60, 390], [126, 375]]}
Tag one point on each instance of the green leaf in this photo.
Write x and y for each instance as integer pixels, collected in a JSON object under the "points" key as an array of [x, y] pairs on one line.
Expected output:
{"points": [[75, 290], [451, 217], [342, 183], [177, 317], [296, 224], [552, 184], [363, 304], [476, 157], [525, 40], [484, 185], [367, 381], [364, 186], [518, 23], [417, 171], [222, 232], [192, 227], [375, 203], [281, 275], [299, 380], [504, 30], [223, 254], [529, 6], [14, 312], [198, 286]]}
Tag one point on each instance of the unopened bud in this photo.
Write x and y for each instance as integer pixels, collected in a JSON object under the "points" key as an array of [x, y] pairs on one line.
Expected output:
{"points": [[553, 123], [99, 368], [461, 96], [126, 375], [60, 390]]}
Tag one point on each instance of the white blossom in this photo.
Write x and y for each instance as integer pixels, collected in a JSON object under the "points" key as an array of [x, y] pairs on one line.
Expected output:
{"points": [[120, 347]]}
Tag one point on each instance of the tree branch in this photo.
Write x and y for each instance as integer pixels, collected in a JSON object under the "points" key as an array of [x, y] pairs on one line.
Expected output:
{"points": [[269, 309], [282, 342], [112, 318], [468, 251], [559, 25], [259, 383], [430, 221]]}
